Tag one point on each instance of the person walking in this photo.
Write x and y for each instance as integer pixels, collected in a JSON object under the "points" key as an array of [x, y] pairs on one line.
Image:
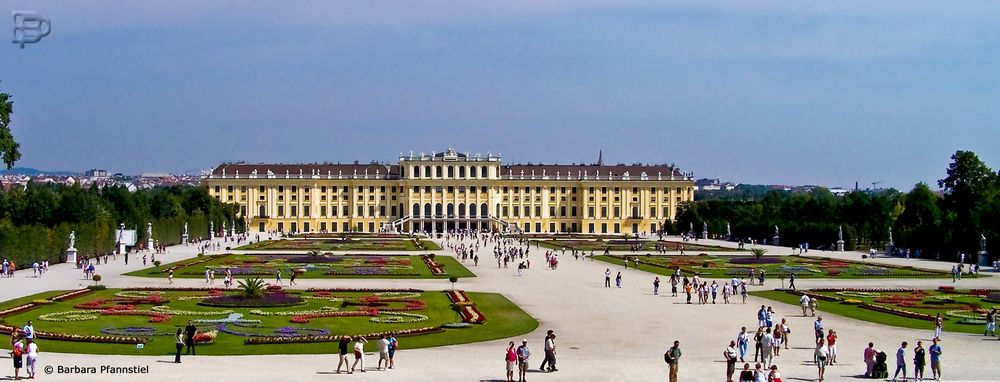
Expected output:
{"points": [[29, 331], [804, 302], [607, 277], [393, 346], [900, 361], [656, 286], [819, 356], [743, 342], [687, 289], [383, 352], [32, 358], [359, 354], [618, 280], [767, 348], [919, 359], [510, 360], [831, 344], [818, 327], [731, 356], [189, 332], [774, 375], [548, 358], [277, 277], [179, 342], [791, 281], [935, 351], [813, 305], [672, 357], [938, 326], [17, 354], [673, 285], [523, 355], [342, 352], [991, 323], [869, 357], [787, 330]]}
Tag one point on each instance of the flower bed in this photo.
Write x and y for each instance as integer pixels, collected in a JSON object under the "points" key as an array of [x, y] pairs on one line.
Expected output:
{"points": [[7, 329], [265, 301], [471, 314], [305, 318], [435, 267], [398, 318], [898, 312], [329, 338], [751, 260]]}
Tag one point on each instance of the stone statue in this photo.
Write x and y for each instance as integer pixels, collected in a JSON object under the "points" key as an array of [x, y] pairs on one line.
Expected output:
{"points": [[890, 235], [704, 227], [185, 228], [692, 228], [149, 230], [72, 239], [729, 232], [840, 233], [775, 230], [982, 243]]}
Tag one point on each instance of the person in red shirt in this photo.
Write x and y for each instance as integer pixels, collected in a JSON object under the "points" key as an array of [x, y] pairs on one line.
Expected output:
{"points": [[831, 341], [511, 359]]}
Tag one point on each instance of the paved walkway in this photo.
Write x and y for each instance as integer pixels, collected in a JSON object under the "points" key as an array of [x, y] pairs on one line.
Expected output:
{"points": [[603, 333]]}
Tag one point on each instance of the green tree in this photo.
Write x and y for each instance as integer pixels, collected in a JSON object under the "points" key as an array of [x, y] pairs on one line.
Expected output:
{"points": [[9, 148], [919, 225], [968, 189]]}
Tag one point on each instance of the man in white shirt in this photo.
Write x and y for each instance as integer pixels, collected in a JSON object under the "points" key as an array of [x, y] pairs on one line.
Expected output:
{"points": [[383, 352], [804, 302], [767, 348], [29, 331], [743, 342]]}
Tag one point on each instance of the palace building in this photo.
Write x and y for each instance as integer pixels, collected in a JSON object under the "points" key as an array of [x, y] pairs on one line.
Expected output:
{"points": [[448, 191]]}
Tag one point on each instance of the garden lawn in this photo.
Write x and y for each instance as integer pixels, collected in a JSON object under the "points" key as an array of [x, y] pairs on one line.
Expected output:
{"points": [[336, 244], [503, 320], [854, 311], [775, 267], [598, 246], [323, 266]]}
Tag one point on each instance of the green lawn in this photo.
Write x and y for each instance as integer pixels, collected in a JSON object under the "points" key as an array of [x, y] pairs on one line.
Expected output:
{"points": [[324, 266], [774, 267], [338, 244], [854, 311], [598, 246], [504, 320]]}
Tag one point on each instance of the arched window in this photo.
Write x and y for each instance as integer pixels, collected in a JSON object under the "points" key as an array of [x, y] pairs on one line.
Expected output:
{"points": [[416, 171], [473, 171], [461, 210], [451, 209], [438, 172], [461, 172], [427, 171], [451, 171], [484, 172], [437, 209], [472, 209], [427, 210], [416, 209]]}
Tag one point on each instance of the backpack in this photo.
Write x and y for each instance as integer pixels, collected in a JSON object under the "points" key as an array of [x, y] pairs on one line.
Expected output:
{"points": [[668, 357]]}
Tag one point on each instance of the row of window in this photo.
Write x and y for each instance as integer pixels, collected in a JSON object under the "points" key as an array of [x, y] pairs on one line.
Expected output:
{"points": [[440, 172]]}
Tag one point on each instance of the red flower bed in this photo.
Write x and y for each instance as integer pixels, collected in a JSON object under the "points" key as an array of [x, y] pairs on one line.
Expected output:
{"points": [[328, 290], [313, 339], [883, 290], [154, 317], [471, 314], [898, 312], [436, 268], [72, 294], [458, 296]]}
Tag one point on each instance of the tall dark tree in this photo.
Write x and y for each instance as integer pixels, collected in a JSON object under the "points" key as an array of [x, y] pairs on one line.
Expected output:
{"points": [[9, 148], [968, 189]]}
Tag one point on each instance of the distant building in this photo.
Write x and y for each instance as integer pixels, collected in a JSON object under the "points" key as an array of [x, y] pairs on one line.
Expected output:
{"points": [[96, 173]]}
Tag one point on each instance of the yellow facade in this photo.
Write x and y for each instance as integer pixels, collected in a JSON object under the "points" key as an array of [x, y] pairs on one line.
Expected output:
{"points": [[448, 191]]}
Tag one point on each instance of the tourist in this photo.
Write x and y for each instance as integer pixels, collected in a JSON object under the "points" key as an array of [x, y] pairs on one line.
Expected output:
{"points": [[189, 332], [550, 353], [656, 286], [819, 356], [342, 351], [900, 361], [743, 341], [32, 359], [767, 348], [919, 358], [277, 277], [731, 356], [291, 278], [673, 357], [510, 361], [757, 337], [383, 352], [786, 331], [869, 357], [938, 326], [779, 334], [762, 316], [359, 354], [523, 355], [618, 280], [935, 351], [715, 290], [179, 342], [813, 305], [769, 317], [818, 327], [746, 375], [17, 353], [208, 273], [991, 323], [725, 293], [393, 345], [804, 302], [607, 277], [687, 289], [170, 277], [775, 375], [673, 285], [29, 331], [831, 344], [791, 281]]}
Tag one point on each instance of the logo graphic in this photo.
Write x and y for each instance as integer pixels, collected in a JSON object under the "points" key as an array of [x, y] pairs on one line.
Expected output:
{"points": [[30, 27]]}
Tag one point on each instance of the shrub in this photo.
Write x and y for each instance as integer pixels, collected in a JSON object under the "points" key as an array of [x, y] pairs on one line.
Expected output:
{"points": [[156, 263], [96, 278], [251, 288]]}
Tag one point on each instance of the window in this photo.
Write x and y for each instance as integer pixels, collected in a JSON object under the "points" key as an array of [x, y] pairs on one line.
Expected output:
{"points": [[393, 210], [281, 211], [305, 211], [260, 189], [371, 211], [451, 171], [562, 211], [573, 211], [538, 211], [472, 172], [438, 172], [537, 190], [590, 212], [618, 228], [361, 211], [552, 211], [322, 226], [295, 189], [538, 227], [294, 227], [229, 189], [281, 227], [295, 211], [618, 213], [590, 228], [652, 212], [305, 227], [281, 188], [552, 190], [484, 172], [552, 227], [218, 189], [322, 212], [604, 212], [416, 171], [604, 227]]}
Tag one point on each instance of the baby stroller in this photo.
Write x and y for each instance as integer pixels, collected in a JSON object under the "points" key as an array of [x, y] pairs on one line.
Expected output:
{"points": [[880, 370]]}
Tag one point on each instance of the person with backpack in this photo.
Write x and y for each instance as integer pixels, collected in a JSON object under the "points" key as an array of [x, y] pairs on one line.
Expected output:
{"points": [[393, 345], [17, 353], [672, 357]]}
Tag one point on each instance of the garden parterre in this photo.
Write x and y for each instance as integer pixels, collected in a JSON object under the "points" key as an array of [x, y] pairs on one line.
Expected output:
{"points": [[962, 310], [726, 267], [598, 245], [113, 321], [343, 244], [313, 265]]}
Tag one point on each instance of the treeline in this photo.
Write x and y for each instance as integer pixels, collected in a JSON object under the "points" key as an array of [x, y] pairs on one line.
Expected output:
{"points": [[35, 221], [938, 224]]}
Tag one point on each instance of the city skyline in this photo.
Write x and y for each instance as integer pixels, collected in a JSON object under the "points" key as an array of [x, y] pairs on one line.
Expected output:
{"points": [[767, 93]]}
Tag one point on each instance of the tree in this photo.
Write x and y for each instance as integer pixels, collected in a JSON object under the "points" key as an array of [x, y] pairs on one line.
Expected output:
{"points": [[919, 225], [96, 278], [453, 280], [9, 148], [758, 252], [968, 187]]}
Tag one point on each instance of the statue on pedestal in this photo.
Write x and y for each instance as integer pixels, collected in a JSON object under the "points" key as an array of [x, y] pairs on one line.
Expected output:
{"points": [[840, 238], [982, 243], [729, 232], [185, 228], [72, 239], [776, 239]]}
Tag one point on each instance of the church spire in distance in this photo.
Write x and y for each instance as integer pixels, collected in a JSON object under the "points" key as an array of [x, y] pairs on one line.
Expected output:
{"points": [[600, 157]]}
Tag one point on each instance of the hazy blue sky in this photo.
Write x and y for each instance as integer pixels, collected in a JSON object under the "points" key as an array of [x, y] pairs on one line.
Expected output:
{"points": [[793, 92]]}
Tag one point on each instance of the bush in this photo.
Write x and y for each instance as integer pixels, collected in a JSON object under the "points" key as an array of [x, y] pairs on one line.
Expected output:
{"points": [[97, 287], [156, 263], [96, 278]]}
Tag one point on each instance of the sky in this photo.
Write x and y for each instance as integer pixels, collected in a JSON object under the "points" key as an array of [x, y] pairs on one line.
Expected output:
{"points": [[762, 92]]}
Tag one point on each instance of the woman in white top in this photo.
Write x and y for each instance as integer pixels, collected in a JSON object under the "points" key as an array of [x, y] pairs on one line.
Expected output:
{"points": [[359, 354], [820, 357], [32, 358]]}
